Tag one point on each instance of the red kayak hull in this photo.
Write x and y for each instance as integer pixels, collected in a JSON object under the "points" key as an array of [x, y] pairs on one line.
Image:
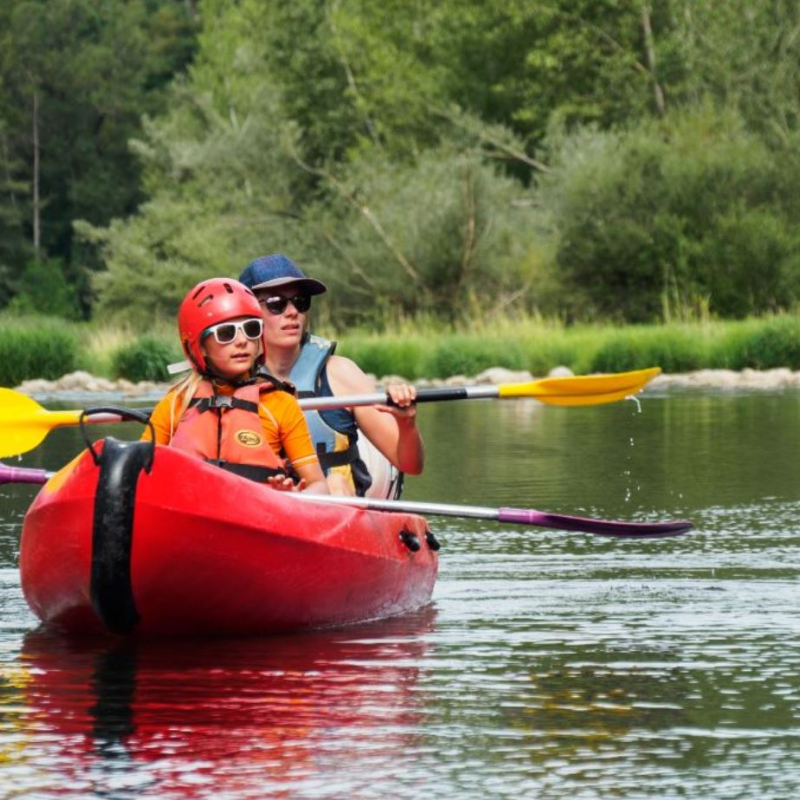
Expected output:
{"points": [[215, 554]]}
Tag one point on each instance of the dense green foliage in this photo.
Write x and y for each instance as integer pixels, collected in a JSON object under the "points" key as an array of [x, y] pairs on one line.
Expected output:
{"points": [[146, 359], [76, 76], [36, 348], [590, 159], [773, 343], [691, 212], [45, 289]]}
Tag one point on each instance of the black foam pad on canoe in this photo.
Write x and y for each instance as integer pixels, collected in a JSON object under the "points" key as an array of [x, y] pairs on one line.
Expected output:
{"points": [[112, 535]]}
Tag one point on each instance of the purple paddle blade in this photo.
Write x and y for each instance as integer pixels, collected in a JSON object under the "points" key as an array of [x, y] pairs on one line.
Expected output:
{"points": [[22, 475], [543, 519]]}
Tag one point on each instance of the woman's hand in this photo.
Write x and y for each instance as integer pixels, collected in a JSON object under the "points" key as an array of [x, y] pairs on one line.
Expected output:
{"points": [[403, 396], [392, 429]]}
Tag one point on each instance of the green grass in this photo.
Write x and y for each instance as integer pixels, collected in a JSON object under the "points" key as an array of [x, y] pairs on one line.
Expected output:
{"points": [[42, 347], [36, 347], [539, 346], [146, 358]]}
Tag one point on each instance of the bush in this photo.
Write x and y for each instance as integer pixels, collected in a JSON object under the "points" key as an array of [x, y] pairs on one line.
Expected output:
{"points": [[469, 355], [146, 359], [44, 349], [768, 344], [384, 356], [43, 288], [693, 211], [455, 229]]}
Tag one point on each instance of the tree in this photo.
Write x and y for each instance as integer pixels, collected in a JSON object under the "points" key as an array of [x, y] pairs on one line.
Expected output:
{"points": [[230, 176], [418, 154], [690, 212], [76, 76]]}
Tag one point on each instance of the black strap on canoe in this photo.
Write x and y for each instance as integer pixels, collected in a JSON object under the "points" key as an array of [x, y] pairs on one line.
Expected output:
{"points": [[120, 464], [133, 414], [110, 588]]}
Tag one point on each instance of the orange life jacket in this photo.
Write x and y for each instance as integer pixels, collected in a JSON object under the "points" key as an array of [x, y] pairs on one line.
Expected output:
{"points": [[226, 430]]}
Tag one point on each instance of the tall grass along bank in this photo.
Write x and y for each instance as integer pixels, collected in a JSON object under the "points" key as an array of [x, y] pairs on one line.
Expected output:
{"points": [[44, 348], [537, 346], [36, 348]]}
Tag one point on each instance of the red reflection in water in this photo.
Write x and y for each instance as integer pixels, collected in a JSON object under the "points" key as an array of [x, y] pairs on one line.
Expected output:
{"points": [[225, 713]]}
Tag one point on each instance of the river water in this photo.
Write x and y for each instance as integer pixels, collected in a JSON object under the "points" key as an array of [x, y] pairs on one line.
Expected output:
{"points": [[550, 664]]}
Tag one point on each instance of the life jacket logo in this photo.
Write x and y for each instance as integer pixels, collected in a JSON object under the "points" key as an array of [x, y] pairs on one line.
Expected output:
{"points": [[249, 438]]}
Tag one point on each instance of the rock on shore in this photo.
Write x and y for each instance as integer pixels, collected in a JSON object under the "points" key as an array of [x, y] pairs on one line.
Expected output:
{"points": [[727, 379], [84, 383]]}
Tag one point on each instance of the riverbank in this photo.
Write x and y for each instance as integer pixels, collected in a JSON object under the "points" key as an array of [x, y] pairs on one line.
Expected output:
{"points": [[38, 348], [79, 385]]}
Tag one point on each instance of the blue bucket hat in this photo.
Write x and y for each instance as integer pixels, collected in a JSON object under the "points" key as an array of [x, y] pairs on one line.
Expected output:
{"points": [[273, 271]]}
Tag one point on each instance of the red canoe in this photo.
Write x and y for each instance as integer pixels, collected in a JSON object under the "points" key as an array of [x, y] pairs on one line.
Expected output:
{"points": [[136, 539]]}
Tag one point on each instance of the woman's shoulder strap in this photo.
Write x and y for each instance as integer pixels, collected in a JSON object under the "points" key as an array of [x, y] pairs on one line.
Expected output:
{"points": [[267, 382], [311, 362]]}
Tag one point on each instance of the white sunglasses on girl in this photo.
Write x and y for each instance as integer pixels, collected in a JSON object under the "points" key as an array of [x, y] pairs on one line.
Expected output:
{"points": [[226, 332]]}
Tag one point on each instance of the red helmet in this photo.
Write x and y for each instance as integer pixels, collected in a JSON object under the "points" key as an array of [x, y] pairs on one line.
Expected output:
{"points": [[208, 303]]}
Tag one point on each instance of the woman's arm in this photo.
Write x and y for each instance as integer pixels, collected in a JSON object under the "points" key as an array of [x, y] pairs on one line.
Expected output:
{"points": [[392, 429]]}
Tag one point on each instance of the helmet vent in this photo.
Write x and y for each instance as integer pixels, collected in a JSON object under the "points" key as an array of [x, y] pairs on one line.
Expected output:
{"points": [[207, 299], [228, 288]]}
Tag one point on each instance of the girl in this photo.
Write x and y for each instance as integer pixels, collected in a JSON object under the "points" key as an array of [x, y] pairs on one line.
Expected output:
{"points": [[230, 411]]}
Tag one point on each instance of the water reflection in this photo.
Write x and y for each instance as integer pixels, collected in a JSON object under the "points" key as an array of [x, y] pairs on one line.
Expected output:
{"points": [[178, 717]]}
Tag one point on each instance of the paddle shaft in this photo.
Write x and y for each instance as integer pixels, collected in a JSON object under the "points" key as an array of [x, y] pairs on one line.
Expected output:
{"points": [[347, 401], [23, 475], [24, 423], [514, 516], [382, 398]]}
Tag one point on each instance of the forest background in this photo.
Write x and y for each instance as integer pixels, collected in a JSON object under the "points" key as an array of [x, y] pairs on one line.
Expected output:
{"points": [[520, 177]]}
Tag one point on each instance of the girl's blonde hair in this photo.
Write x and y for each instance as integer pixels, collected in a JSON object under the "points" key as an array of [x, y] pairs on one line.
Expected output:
{"points": [[182, 394]]}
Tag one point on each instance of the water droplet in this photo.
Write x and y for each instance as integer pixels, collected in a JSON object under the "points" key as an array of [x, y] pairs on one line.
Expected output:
{"points": [[635, 400]]}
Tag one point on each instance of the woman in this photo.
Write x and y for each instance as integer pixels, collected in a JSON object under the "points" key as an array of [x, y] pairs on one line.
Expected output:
{"points": [[229, 410], [308, 362]]}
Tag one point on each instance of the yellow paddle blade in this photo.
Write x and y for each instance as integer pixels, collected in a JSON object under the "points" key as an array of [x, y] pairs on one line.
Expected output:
{"points": [[24, 423], [582, 390]]}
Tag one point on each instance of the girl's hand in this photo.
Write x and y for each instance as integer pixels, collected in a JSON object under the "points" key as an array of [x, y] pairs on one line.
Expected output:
{"points": [[285, 484]]}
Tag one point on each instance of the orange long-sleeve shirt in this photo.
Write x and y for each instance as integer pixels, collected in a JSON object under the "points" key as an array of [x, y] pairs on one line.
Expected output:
{"points": [[284, 425]]}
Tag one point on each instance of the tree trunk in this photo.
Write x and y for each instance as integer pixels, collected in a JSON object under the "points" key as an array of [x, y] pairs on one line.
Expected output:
{"points": [[650, 52], [37, 232]]}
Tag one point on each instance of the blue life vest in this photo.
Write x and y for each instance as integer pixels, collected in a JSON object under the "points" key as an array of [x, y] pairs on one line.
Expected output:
{"points": [[333, 431]]}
